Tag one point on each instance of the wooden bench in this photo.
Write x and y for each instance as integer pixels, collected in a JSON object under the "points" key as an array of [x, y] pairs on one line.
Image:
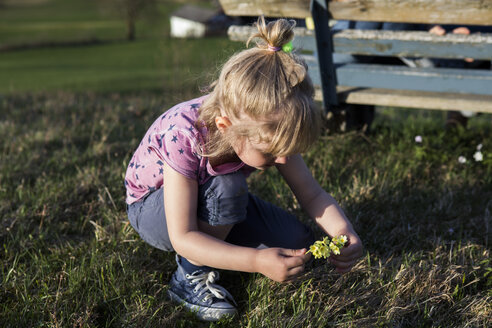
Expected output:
{"points": [[386, 85]]}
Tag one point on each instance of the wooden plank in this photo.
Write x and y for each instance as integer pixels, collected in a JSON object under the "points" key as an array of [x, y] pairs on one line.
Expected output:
{"points": [[475, 82], [413, 43], [478, 82], [466, 12], [413, 99], [269, 8], [243, 32], [390, 43]]}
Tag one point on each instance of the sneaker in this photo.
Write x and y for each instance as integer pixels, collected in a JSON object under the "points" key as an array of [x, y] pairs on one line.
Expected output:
{"points": [[197, 292]]}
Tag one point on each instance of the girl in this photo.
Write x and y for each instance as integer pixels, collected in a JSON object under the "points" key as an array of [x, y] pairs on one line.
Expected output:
{"points": [[186, 182]]}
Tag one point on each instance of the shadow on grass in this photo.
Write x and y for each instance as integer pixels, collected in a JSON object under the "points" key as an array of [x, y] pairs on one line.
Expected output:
{"points": [[58, 44]]}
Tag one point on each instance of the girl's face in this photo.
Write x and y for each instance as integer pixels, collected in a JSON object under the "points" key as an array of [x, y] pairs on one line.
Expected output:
{"points": [[251, 153], [254, 154]]}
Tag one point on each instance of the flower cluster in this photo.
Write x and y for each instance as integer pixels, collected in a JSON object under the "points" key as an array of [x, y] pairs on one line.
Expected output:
{"points": [[477, 156], [324, 248]]}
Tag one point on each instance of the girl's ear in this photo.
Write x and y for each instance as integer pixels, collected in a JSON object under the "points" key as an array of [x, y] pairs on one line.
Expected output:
{"points": [[222, 123]]}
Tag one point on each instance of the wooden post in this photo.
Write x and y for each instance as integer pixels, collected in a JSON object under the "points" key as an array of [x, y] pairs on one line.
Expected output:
{"points": [[324, 44]]}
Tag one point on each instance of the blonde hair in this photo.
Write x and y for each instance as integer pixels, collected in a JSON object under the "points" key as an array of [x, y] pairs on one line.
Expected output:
{"points": [[271, 88]]}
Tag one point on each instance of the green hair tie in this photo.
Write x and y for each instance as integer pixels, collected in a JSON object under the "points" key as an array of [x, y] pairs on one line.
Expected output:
{"points": [[287, 47]]}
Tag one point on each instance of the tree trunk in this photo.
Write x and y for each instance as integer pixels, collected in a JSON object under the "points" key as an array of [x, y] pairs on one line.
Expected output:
{"points": [[131, 30]]}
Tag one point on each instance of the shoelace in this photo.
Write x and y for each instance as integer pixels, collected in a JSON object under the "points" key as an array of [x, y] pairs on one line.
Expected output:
{"points": [[205, 283]]}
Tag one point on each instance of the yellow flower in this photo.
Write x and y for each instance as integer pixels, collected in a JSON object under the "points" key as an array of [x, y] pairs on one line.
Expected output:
{"points": [[340, 241], [324, 247], [314, 250], [334, 248], [325, 251]]}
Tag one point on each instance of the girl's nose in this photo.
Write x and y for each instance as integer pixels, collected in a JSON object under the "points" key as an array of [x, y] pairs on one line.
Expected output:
{"points": [[281, 160]]}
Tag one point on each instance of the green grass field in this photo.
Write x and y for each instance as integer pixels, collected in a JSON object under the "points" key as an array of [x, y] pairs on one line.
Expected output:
{"points": [[152, 62], [70, 119], [69, 257], [34, 21]]}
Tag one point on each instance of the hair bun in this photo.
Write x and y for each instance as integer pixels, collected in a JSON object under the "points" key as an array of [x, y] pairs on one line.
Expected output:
{"points": [[274, 34], [272, 37]]}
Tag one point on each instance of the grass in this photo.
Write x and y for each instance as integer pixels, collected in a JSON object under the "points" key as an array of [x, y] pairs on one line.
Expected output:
{"points": [[70, 118], [147, 64], [26, 22], [72, 61], [69, 257]]}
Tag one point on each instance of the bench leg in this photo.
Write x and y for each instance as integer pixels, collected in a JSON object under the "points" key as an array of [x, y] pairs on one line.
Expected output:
{"points": [[455, 119], [324, 44]]}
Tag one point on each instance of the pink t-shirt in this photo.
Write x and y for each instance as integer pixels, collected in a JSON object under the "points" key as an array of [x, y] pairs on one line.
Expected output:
{"points": [[174, 139]]}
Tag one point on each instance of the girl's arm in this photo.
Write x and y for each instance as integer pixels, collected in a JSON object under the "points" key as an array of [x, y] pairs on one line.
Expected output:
{"points": [[323, 208], [180, 203]]}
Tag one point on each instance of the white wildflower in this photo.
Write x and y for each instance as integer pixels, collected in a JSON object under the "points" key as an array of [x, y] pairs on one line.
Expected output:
{"points": [[343, 239], [478, 156], [418, 139], [479, 147], [462, 159]]}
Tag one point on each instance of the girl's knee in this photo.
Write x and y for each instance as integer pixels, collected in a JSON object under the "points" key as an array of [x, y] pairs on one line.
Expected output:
{"points": [[148, 219], [223, 199]]}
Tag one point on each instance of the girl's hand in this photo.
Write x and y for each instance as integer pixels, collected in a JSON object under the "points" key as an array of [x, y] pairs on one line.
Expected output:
{"points": [[349, 254], [281, 264]]}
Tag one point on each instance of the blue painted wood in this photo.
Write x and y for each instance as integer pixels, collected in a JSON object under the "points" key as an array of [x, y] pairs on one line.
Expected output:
{"points": [[305, 43], [411, 43], [405, 78], [313, 69], [477, 82]]}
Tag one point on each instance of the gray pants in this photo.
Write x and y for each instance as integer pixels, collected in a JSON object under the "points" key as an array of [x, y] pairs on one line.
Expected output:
{"points": [[225, 200]]}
